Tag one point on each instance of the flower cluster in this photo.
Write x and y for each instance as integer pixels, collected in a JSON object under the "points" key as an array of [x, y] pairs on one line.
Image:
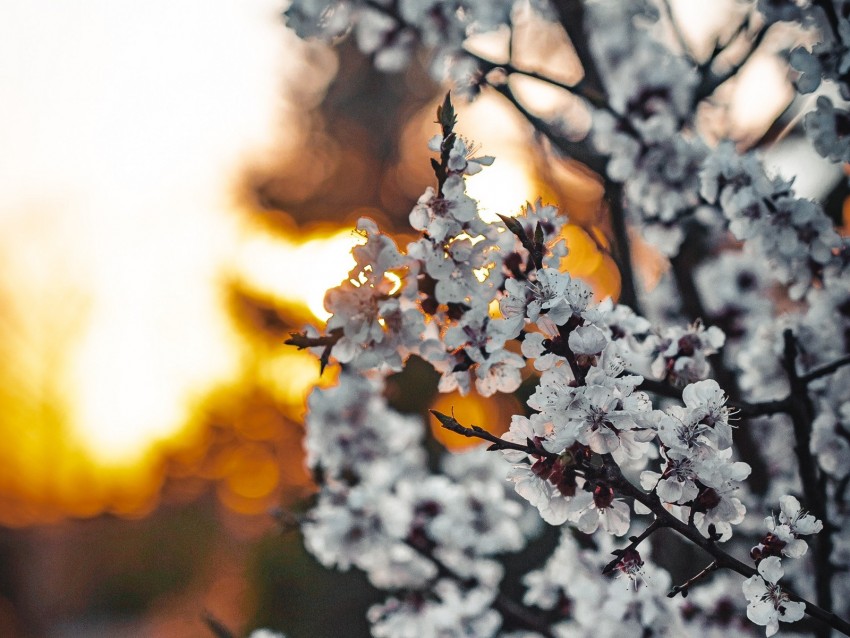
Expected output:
{"points": [[381, 510], [698, 475], [794, 234], [388, 31], [628, 416]]}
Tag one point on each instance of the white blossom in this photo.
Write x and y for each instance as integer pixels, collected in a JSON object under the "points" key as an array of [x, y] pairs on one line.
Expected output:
{"points": [[768, 604]]}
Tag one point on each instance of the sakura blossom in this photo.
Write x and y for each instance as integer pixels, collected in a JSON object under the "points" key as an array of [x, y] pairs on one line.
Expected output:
{"points": [[768, 604], [691, 406]]}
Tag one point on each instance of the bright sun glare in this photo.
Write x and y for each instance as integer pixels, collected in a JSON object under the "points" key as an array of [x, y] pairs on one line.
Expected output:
{"points": [[298, 271], [122, 135], [122, 131]]}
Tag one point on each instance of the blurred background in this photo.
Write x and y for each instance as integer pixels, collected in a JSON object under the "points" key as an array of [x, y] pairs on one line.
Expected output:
{"points": [[178, 186]]}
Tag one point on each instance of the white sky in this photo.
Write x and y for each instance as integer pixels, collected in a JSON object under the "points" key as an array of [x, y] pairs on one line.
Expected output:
{"points": [[122, 128]]}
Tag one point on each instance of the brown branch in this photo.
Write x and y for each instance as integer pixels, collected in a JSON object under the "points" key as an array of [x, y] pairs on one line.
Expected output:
{"points": [[579, 89], [634, 541], [451, 424], [684, 587], [301, 341], [579, 151], [814, 486], [613, 476], [711, 81], [824, 370], [622, 244], [723, 560], [570, 14]]}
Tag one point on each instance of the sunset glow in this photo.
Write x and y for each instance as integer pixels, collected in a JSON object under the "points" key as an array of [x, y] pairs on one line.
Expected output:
{"points": [[120, 231], [123, 133]]}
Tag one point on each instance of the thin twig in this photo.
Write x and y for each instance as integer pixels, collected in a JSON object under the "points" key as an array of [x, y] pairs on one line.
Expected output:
{"points": [[684, 587], [677, 31], [829, 368], [711, 81], [622, 244], [634, 541], [581, 152], [577, 150], [451, 424], [301, 341], [579, 89]]}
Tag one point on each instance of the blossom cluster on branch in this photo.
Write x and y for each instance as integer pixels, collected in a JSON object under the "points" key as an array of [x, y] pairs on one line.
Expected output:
{"points": [[724, 400]]}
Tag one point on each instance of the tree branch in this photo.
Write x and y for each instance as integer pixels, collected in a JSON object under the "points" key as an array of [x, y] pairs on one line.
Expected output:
{"points": [[814, 487], [579, 151], [580, 89], [571, 17], [614, 477], [677, 31], [824, 370], [451, 424], [711, 81], [622, 244], [722, 559], [634, 541], [684, 587]]}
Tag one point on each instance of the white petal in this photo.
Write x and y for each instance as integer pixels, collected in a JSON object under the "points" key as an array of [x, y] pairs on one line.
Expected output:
{"points": [[754, 587], [771, 569], [793, 611], [790, 506]]}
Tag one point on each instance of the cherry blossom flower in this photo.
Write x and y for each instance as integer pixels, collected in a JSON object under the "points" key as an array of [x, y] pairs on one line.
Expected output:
{"points": [[707, 403], [768, 604], [677, 483], [467, 296], [588, 340], [601, 509], [631, 565], [829, 130], [682, 353], [449, 611], [539, 346], [784, 531]]}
